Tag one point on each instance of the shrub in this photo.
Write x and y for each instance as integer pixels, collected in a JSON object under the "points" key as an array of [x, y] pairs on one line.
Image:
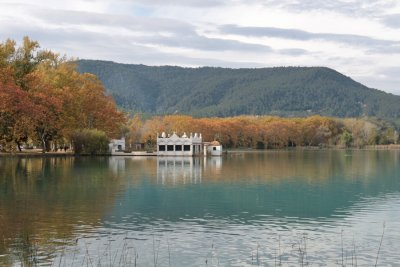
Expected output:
{"points": [[90, 141]]}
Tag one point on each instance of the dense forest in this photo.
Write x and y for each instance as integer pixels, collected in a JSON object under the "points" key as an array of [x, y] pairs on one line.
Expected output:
{"points": [[222, 92], [264, 132], [45, 101]]}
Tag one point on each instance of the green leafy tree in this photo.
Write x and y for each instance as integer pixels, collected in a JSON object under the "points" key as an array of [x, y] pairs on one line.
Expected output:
{"points": [[90, 141], [346, 138]]}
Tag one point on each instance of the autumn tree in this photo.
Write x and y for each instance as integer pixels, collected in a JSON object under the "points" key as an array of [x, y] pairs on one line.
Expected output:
{"points": [[15, 116], [135, 126], [45, 98]]}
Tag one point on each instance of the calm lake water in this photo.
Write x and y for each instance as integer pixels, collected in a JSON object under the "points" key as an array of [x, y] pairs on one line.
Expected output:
{"points": [[319, 208]]}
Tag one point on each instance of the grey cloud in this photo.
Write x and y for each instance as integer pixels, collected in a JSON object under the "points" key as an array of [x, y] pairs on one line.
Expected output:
{"points": [[321, 5], [389, 82], [393, 72], [204, 43], [392, 49], [155, 31], [370, 9], [117, 48], [392, 21], [188, 3], [293, 52], [353, 8], [65, 40], [179, 60], [388, 85], [86, 44], [373, 45], [66, 17]]}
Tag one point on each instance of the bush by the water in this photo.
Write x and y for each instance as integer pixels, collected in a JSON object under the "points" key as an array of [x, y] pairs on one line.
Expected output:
{"points": [[90, 141]]}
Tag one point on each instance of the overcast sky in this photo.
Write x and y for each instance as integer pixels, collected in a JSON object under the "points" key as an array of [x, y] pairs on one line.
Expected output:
{"points": [[360, 38]]}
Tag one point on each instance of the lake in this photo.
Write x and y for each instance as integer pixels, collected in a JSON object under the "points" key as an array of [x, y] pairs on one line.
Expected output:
{"points": [[269, 208]]}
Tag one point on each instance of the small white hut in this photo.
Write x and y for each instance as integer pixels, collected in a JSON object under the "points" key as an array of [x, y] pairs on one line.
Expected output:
{"points": [[213, 148], [175, 145], [116, 145]]}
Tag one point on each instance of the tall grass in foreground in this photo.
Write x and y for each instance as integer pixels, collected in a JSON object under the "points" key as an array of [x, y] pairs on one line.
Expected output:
{"points": [[297, 253]]}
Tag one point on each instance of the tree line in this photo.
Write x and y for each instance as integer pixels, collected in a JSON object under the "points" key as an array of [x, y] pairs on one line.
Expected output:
{"points": [[264, 132], [225, 92], [45, 100]]}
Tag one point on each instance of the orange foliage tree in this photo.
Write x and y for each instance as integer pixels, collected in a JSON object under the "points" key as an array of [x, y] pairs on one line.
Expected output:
{"points": [[248, 131], [45, 99], [15, 121]]}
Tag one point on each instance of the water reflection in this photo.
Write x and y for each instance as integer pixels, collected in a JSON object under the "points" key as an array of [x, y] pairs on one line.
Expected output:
{"points": [[179, 170], [222, 207], [286, 184], [43, 200]]}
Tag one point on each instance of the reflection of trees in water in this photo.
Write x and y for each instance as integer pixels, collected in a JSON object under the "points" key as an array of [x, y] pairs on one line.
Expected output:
{"points": [[42, 201], [304, 165], [312, 166], [298, 184]]}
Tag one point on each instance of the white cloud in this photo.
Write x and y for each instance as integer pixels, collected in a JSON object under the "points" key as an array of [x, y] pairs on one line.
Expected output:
{"points": [[360, 38]]}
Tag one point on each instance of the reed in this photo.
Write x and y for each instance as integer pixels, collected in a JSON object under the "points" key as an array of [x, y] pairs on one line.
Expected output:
{"points": [[126, 253]]}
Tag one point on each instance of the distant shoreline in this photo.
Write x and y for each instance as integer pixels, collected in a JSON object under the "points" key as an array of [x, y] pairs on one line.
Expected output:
{"points": [[36, 154], [227, 151]]}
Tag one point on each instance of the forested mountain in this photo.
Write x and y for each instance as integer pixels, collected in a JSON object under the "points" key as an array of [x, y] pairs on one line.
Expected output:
{"points": [[208, 91]]}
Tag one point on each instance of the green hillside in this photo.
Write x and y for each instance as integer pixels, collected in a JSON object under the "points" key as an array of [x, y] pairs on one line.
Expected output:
{"points": [[207, 91]]}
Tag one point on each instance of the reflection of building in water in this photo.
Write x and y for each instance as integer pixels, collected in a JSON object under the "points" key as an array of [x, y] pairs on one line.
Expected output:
{"points": [[116, 164], [213, 163], [179, 170]]}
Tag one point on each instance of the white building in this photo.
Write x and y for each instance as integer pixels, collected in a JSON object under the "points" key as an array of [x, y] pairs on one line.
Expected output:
{"points": [[179, 146], [213, 148], [116, 145]]}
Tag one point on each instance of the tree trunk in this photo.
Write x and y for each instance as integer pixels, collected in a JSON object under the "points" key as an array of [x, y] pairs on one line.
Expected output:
{"points": [[43, 145], [19, 146]]}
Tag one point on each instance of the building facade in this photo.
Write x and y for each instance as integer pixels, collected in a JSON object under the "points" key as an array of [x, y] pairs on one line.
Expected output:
{"points": [[213, 148], [116, 145], [175, 145]]}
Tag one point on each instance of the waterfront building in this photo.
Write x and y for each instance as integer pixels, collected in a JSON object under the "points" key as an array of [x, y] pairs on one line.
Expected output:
{"points": [[116, 145], [171, 145], [213, 148], [174, 145]]}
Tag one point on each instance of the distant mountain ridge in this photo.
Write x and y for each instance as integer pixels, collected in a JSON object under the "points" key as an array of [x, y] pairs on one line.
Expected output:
{"points": [[208, 91]]}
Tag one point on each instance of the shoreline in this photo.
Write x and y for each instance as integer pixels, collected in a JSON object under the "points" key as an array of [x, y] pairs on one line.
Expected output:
{"points": [[37, 154], [392, 147]]}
